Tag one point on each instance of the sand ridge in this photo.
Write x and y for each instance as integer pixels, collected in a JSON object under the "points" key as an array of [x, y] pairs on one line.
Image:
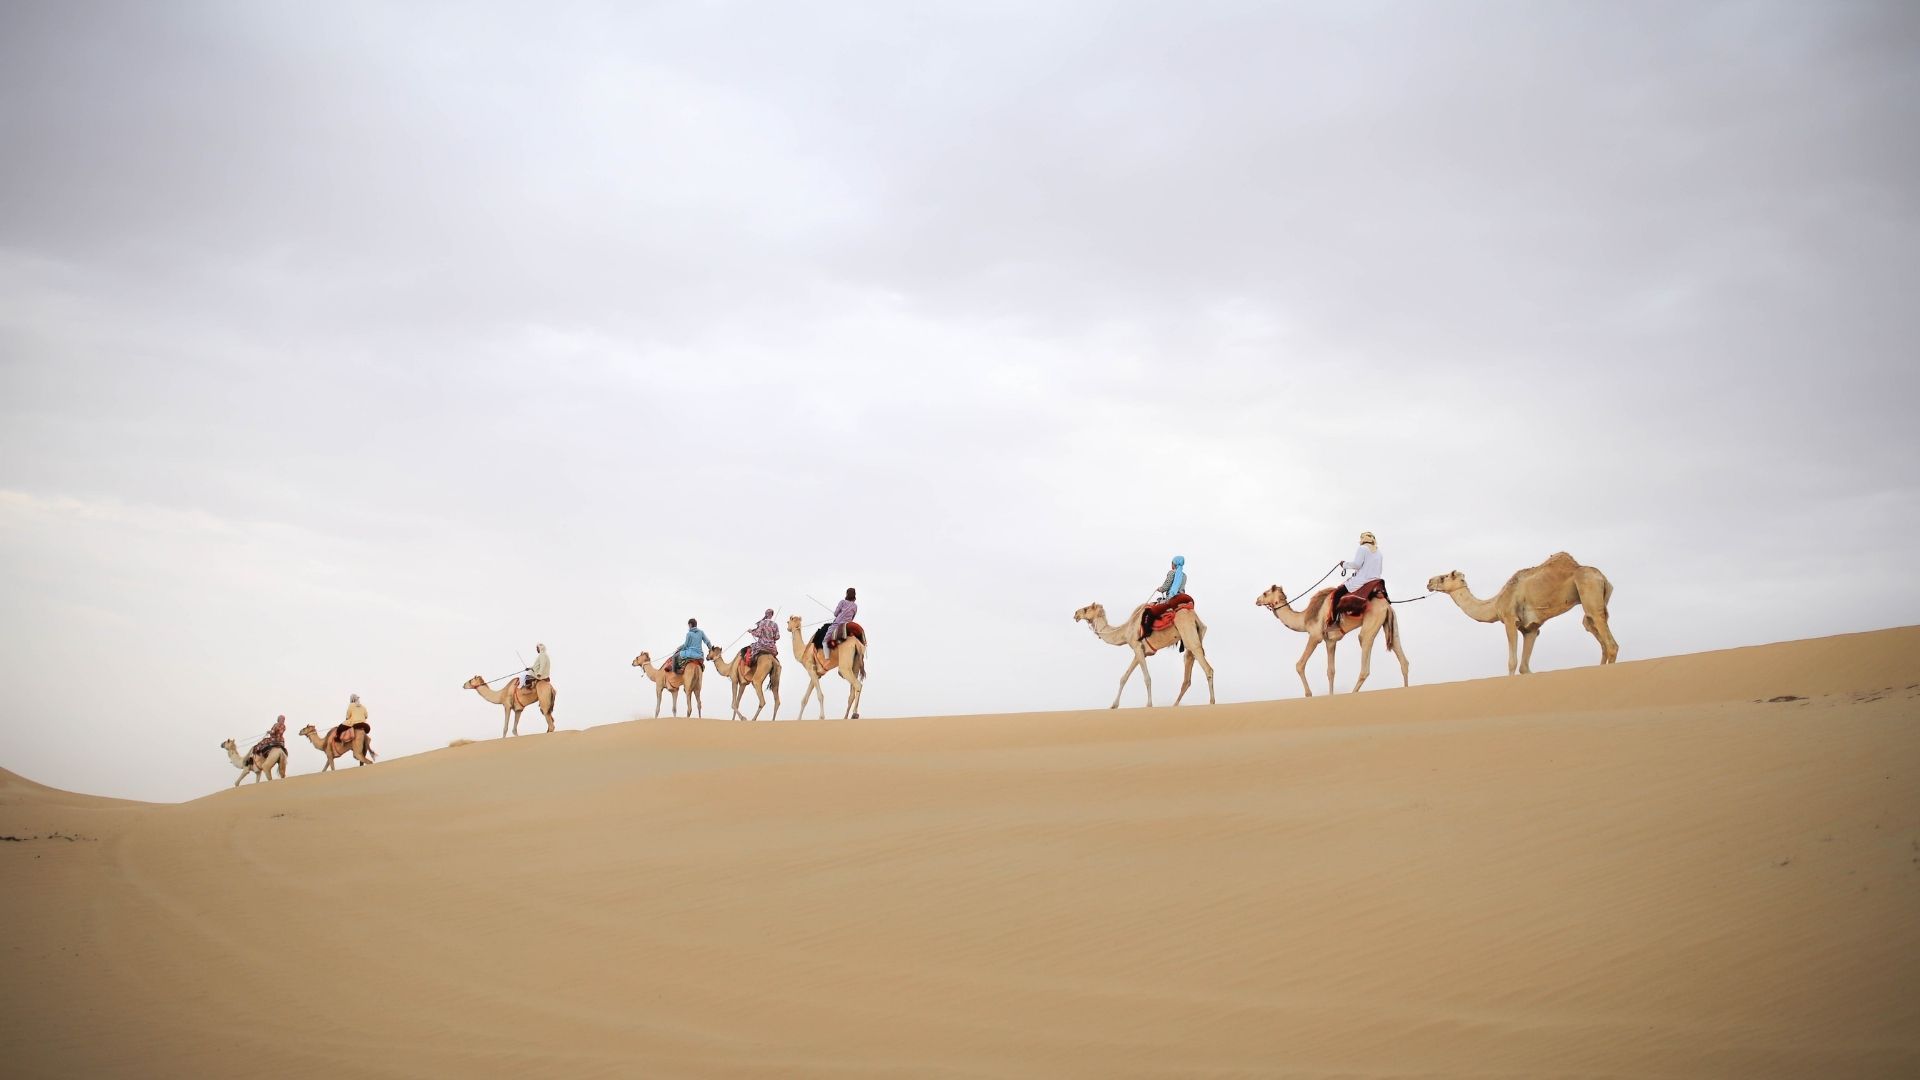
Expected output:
{"points": [[1647, 869]]}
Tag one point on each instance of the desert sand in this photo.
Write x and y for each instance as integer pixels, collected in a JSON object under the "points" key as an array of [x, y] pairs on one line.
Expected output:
{"points": [[1651, 869]]}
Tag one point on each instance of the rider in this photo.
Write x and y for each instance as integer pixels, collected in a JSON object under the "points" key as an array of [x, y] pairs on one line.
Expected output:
{"points": [[1365, 576], [275, 736], [695, 647], [541, 670], [356, 716], [766, 638], [1176, 581], [843, 613], [1175, 585]]}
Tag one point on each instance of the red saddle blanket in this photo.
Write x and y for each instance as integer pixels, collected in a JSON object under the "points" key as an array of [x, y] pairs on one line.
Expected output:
{"points": [[1161, 615], [1355, 603]]}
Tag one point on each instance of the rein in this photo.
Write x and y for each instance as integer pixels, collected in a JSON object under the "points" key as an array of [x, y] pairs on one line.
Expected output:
{"points": [[1303, 594]]}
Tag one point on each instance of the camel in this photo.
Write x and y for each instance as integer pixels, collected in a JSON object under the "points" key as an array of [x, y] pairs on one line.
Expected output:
{"points": [[362, 747], [513, 699], [1187, 629], [1531, 597], [849, 658], [665, 681], [257, 767], [1313, 623], [765, 672]]}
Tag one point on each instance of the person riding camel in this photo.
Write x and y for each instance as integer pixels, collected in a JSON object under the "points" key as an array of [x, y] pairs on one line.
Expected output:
{"points": [[275, 736], [695, 647], [540, 671], [1172, 593], [1366, 579], [356, 718], [766, 638], [843, 613]]}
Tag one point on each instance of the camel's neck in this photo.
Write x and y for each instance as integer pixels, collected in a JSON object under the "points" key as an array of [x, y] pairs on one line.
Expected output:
{"points": [[318, 742], [1107, 632], [490, 694], [1477, 609], [238, 761], [1291, 619]]}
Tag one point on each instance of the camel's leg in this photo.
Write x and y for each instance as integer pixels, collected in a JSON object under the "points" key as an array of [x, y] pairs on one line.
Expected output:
{"points": [[1594, 618], [1368, 630], [1513, 647], [1528, 637], [1330, 648], [1140, 657], [773, 685], [1393, 642], [850, 670], [283, 766], [1185, 638], [237, 780], [813, 688], [1300, 668], [1196, 644], [1139, 661]]}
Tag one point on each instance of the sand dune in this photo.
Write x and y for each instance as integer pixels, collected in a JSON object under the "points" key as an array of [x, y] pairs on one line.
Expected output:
{"points": [[1645, 870]]}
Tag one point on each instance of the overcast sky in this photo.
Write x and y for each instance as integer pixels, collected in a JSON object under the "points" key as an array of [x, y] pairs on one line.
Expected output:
{"points": [[358, 347]]}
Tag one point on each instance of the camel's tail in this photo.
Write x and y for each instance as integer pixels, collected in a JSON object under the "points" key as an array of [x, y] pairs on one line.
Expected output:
{"points": [[370, 754], [773, 676], [1393, 630], [860, 657]]}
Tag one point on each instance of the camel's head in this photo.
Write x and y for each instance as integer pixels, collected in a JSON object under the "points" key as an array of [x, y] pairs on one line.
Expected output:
{"points": [[308, 730], [228, 745], [1089, 613], [1273, 599], [643, 660], [1452, 581], [474, 683], [714, 653], [793, 623]]}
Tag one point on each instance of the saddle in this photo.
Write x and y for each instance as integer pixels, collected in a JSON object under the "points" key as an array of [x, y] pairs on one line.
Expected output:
{"points": [[343, 735], [266, 746], [1355, 603], [681, 662], [854, 630], [1161, 615]]}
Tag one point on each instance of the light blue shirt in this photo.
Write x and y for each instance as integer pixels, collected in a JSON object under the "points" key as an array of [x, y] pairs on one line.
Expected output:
{"points": [[696, 646]]}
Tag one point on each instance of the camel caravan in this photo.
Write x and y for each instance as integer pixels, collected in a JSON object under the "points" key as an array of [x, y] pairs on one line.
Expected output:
{"points": [[1360, 603], [1168, 619]]}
